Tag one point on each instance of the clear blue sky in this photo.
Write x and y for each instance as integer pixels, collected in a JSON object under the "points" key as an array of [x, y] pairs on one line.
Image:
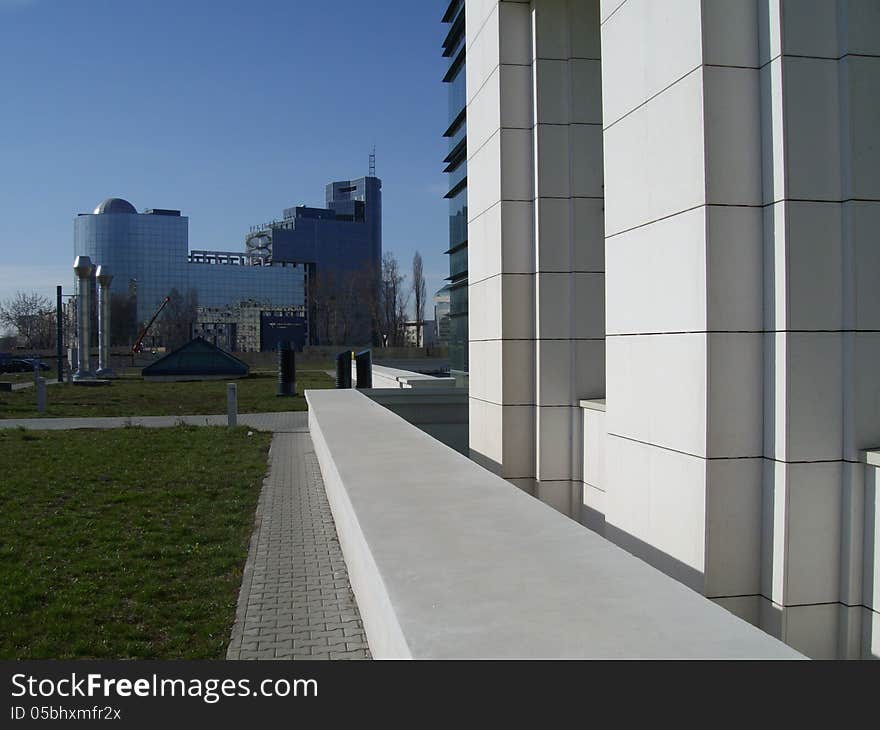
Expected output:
{"points": [[229, 110]]}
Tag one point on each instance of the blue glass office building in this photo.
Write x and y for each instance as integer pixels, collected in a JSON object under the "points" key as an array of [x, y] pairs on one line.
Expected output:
{"points": [[456, 167], [148, 255], [343, 237]]}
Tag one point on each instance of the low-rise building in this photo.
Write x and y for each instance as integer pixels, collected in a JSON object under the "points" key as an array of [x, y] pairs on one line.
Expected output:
{"points": [[251, 326]]}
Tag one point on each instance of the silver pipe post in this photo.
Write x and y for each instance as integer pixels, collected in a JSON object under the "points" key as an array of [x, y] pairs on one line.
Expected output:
{"points": [[232, 404], [41, 394], [84, 270], [104, 278]]}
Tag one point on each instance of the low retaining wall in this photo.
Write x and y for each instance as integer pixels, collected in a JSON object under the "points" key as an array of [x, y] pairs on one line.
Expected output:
{"points": [[447, 560], [385, 377]]}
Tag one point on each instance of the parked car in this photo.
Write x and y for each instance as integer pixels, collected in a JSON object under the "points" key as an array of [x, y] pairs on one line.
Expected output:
{"points": [[18, 365], [42, 365]]}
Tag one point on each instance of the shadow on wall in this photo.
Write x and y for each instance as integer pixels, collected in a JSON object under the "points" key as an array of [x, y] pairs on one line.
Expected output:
{"points": [[664, 562], [526, 484], [595, 521]]}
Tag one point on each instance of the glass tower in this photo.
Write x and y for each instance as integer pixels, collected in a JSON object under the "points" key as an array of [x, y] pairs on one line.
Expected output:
{"points": [[149, 257], [456, 167]]}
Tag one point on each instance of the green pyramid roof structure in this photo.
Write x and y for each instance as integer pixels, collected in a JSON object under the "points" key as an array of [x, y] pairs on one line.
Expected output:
{"points": [[198, 359]]}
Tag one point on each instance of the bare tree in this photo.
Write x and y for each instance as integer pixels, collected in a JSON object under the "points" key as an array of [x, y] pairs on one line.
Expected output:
{"points": [[322, 291], [419, 290], [366, 292], [393, 300], [175, 326], [123, 319], [32, 317], [356, 306]]}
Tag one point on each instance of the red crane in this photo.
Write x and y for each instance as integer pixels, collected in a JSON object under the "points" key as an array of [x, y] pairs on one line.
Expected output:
{"points": [[138, 343]]}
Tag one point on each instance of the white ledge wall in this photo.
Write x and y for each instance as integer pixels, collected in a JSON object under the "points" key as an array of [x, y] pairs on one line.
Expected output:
{"points": [[385, 377], [447, 560]]}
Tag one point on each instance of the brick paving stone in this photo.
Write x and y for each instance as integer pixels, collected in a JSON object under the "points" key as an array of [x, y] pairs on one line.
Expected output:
{"points": [[295, 600]]}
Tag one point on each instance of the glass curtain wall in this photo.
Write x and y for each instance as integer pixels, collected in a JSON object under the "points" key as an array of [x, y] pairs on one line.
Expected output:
{"points": [[456, 167]]}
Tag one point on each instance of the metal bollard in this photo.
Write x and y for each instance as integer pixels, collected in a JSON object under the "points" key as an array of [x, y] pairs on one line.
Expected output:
{"points": [[41, 395], [364, 367], [343, 369], [232, 404], [286, 369]]}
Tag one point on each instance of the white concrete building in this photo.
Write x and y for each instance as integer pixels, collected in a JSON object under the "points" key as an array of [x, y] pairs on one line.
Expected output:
{"points": [[674, 315]]}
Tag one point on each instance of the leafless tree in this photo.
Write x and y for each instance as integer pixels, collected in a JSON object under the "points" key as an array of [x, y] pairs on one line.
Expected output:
{"points": [[175, 325], [419, 290], [32, 317], [366, 293], [123, 319], [322, 292], [393, 300]]}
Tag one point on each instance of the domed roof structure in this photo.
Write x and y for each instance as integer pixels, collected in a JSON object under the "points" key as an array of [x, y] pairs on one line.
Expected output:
{"points": [[114, 205]]}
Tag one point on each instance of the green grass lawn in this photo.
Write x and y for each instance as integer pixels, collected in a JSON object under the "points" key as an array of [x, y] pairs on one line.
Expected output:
{"points": [[131, 396], [124, 544]]}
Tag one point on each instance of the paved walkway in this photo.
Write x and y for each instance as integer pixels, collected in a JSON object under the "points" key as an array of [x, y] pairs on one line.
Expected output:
{"points": [[295, 600], [286, 422]]}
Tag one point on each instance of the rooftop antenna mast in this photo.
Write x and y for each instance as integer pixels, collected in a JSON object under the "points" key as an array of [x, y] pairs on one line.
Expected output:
{"points": [[373, 162]]}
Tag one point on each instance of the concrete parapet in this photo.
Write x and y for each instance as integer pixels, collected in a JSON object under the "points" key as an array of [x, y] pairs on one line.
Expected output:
{"points": [[447, 560]]}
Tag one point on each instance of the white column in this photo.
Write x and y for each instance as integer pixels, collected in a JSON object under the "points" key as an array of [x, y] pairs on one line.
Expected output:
{"points": [[569, 245], [536, 254], [501, 268], [820, 75], [742, 192], [681, 116]]}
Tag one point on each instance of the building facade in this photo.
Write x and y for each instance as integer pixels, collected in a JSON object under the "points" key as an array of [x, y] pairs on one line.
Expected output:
{"points": [[148, 254], [454, 49], [674, 325], [422, 334], [251, 326], [340, 245]]}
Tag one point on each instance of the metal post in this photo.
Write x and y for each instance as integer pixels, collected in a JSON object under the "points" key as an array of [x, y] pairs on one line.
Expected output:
{"points": [[84, 270], [104, 278], [59, 334], [286, 374], [364, 368], [41, 395], [343, 369], [232, 404]]}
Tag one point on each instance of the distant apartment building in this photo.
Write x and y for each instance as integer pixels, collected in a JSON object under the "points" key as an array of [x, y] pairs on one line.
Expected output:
{"points": [[149, 257], [456, 162], [251, 326], [420, 335], [441, 315]]}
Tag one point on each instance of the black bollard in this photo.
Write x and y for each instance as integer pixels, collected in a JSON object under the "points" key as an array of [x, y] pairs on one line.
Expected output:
{"points": [[364, 367], [343, 369], [286, 369]]}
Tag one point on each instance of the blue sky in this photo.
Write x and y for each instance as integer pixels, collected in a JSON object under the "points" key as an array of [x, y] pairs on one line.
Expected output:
{"points": [[229, 110]]}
